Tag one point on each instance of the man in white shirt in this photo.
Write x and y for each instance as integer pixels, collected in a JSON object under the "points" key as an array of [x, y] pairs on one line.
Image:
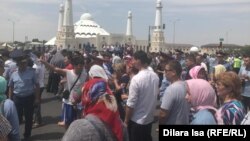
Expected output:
{"points": [[40, 73], [141, 103]]}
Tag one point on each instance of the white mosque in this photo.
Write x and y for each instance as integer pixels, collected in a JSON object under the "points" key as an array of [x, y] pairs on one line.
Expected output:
{"points": [[87, 32]]}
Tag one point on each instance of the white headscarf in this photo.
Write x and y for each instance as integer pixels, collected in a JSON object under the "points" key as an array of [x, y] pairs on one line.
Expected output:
{"points": [[98, 71]]}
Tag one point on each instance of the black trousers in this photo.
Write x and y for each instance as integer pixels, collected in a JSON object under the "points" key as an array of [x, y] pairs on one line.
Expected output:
{"points": [[25, 105], [246, 102], [138, 132], [53, 82]]}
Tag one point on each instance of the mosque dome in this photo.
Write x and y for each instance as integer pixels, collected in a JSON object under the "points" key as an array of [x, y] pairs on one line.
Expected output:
{"points": [[158, 1], [61, 6], [86, 27], [86, 16], [194, 49]]}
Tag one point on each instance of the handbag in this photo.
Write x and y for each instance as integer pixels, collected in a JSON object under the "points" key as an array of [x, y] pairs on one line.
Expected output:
{"points": [[66, 93]]}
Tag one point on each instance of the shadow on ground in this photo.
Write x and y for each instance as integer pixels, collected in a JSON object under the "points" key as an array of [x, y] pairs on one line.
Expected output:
{"points": [[51, 120], [49, 99], [47, 136]]}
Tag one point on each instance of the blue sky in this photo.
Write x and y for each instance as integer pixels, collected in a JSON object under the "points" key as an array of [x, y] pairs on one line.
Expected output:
{"points": [[201, 21]]}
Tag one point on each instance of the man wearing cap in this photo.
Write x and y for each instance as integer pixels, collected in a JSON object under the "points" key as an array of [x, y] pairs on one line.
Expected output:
{"points": [[179, 58], [24, 90]]}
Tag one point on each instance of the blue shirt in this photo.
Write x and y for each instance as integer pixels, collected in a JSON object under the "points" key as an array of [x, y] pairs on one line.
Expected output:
{"points": [[246, 87], [203, 117], [23, 83], [164, 84], [10, 113]]}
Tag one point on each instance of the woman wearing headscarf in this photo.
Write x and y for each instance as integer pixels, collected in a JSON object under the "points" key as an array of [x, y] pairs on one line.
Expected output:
{"points": [[228, 87], [198, 72], [218, 69], [8, 110], [101, 118], [202, 97]]}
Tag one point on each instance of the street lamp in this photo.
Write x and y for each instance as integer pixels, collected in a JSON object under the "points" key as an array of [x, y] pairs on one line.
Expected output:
{"points": [[13, 24], [174, 22], [149, 36], [227, 34]]}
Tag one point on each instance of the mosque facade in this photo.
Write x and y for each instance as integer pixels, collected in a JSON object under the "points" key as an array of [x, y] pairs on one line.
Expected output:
{"points": [[87, 33]]}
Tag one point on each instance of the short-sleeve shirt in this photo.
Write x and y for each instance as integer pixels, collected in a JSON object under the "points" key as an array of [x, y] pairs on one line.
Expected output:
{"points": [[40, 73], [175, 102], [232, 112], [143, 92], [71, 78], [10, 113], [23, 83]]}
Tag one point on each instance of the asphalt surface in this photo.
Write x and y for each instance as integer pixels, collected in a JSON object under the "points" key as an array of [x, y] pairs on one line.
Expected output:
{"points": [[51, 111], [49, 130]]}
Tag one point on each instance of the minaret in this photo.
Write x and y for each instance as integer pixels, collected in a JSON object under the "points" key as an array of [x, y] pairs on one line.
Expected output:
{"points": [[59, 28], [60, 20], [67, 36], [157, 40], [158, 16], [129, 24], [130, 39], [68, 14]]}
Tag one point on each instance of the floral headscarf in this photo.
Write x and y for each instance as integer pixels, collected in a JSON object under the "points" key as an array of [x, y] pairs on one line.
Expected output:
{"points": [[98, 100]]}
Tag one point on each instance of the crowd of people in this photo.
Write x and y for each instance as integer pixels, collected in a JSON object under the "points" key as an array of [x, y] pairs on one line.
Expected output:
{"points": [[113, 96]]}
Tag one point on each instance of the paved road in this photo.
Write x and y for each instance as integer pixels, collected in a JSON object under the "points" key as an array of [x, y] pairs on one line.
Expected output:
{"points": [[50, 131]]}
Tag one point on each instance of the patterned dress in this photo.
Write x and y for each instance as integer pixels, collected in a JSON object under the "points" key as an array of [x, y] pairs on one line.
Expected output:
{"points": [[231, 113]]}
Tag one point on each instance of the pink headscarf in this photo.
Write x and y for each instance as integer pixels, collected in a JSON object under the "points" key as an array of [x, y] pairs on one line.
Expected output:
{"points": [[194, 72], [202, 95]]}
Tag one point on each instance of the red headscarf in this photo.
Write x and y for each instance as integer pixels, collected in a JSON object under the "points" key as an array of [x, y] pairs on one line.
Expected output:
{"points": [[98, 100]]}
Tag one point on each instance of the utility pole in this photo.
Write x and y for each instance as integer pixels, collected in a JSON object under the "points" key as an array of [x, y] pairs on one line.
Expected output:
{"points": [[13, 32], [174, 22], [149, 38]]}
